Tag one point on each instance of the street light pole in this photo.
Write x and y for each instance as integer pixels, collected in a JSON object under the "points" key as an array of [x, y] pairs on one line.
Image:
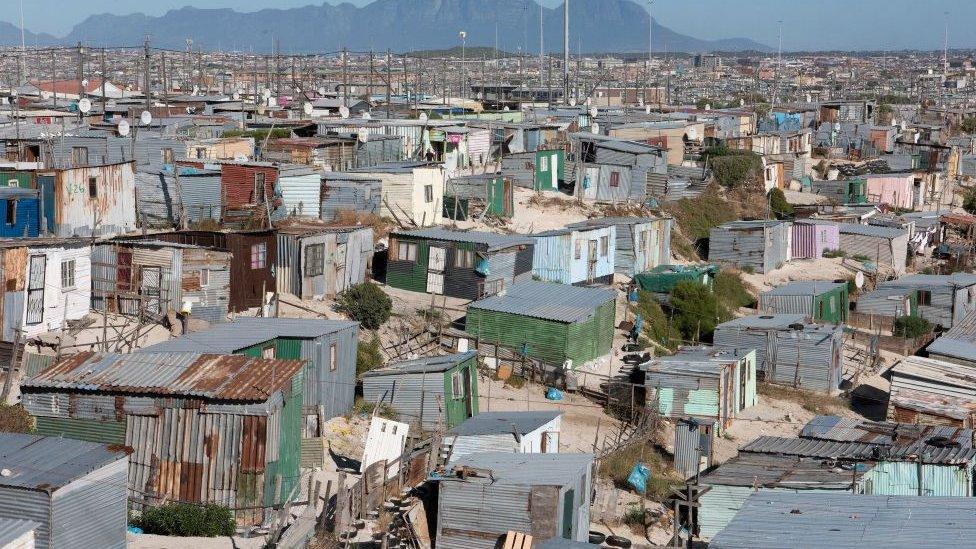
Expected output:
{"points": [[464, 74]]}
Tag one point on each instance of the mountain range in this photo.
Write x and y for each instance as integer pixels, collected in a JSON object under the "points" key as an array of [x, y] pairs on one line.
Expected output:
{"points": [[399, 25]]}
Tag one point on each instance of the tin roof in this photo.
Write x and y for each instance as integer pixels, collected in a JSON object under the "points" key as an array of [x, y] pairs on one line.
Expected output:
{"points": [[701, 361], [766, 322], [49, 463], [959, 341], [769, 520], [547, 301], [922, 280], [426, 365], [494, 423], [880, 432], [871, 230], [950, 454], [230, 337], [525, 469], [492, 240], [772, 471], [805, 287], [12, 529], [211, 376]]}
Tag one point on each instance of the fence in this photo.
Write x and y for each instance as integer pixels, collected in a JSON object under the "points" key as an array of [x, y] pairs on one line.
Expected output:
{"points": [[899, 345], [871, 322]]}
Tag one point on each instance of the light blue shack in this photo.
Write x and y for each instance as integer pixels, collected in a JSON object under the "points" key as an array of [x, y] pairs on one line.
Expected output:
{"points": [[581, 255]]}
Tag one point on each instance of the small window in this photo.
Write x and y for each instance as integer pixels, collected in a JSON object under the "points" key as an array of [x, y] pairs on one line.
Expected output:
{"points": [[204, 277], [407, 251], [92, 187], [614, 179], [13, 183], [314, 259], [588, 152], [10, 217], [68, 274], [457, 389], [578, 252], [428, 194], [268, 352], [333, 358], [259, 188], [202, 154], [167, 155], [604, 246], [464, 259], [543, 163], [924, 297], [79, 156], [259, 256]]}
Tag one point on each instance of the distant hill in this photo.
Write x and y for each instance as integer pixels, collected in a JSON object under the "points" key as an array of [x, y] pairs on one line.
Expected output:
{"points": [[400, 25], [10, 36]]}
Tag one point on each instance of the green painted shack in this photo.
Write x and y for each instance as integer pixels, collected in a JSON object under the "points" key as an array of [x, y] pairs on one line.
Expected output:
{"points": [[549, 322], [434, 392], [663, 278], [703, 383], [201, 428], [820, 300], [472, 196]]}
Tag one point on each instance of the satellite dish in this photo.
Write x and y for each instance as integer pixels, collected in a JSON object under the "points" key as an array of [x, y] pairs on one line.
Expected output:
{"points": [[145, 118], [506, 109], [298, 90], [594, 112], [344, 111], [572, 101], [594, 128], [265, 93], [692, 133], [859, 280], [367, 116], [84, 83], [362, 134], [196, 90], [84, 105], [647, 109], [423, 117], [307, 108], [321, 90], [236, 96], [123, 128]]}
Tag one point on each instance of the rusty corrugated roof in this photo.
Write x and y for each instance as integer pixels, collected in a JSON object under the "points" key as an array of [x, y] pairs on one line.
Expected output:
{"points": [[211, 376]]}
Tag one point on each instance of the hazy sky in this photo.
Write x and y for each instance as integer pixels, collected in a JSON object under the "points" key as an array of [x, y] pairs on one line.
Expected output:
{"points": [[818, 24]]}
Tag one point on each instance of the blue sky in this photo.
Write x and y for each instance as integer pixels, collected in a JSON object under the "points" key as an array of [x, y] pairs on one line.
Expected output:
{"points": [[818, 24]]}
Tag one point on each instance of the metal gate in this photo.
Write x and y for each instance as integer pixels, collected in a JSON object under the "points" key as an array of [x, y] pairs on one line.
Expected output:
{"points": [[35, 289], [435, 270], [150, 288]]}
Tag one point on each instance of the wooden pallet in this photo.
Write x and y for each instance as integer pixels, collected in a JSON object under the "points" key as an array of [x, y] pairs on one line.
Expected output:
{"points": [[517, 540]]}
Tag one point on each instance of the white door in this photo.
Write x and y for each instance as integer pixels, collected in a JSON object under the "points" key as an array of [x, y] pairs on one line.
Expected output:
{"points": [[592, 177], [435, 283], [437, 259]]}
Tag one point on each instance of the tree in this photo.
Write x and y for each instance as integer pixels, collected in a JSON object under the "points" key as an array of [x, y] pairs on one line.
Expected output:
{"points": [[696, 310], [968, 125], [778, 204], [911, 327], [366, 303], [704, 102], [762, 110], [368, 355]]}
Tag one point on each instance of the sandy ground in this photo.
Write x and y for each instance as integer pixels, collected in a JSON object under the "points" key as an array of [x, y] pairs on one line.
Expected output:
{"points": [[801, 269], [550, 211]]}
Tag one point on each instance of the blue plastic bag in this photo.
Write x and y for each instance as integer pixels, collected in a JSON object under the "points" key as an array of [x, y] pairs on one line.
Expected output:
{"points": [[554, 394], [638, 477]]}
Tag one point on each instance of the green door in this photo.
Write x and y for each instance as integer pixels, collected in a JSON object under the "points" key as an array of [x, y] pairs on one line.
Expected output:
{"points": [[569, 505]]}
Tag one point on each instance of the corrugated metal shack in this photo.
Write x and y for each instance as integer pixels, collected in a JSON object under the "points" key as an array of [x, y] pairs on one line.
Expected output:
{"points": [[412, 192], [74, 492], [522, 432], [18, 533], [150, 277], [254, 255], [734, 481], [89, 201], [615, 170], [939, 462], [434, 393], [888, 302], [642, 242], [336, 151], [943, 300], [301, 191], [203, 428], [317, 262], [543, 170], [162, 201], [486, 495], [760, 245], [819, 299], [931, 391], [478, 195], [328, 347], [958, 344], [882, 245], [702, 382], [46, 283], [464, 264], [349, 192], [249, 191], [21, 209], [550, 322], [583, 255], [840, 521], [790, 350], [841, 191], [812, 237]]}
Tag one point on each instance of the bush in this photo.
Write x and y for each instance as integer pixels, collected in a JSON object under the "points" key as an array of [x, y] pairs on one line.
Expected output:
{"points": [[911, 327], [14, 419], [386, 410], [696, 310], [656, 324], [185, 520], [834, 253], [969, 202], [366, 303], [731, 291], [735, 169], [779, 206], [368, 355]]}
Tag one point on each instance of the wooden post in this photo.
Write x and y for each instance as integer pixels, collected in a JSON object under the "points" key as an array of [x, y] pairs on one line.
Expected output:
{"points": [[340, 507], [324, 517]]}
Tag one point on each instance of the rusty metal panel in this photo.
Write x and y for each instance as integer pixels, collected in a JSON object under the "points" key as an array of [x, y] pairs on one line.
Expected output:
{"points": [[252, 444]]}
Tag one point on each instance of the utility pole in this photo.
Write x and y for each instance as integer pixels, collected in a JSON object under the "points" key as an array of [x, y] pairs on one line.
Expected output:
{"points": [[345, 79], [464, 68], [54, 78], [542, 46], [146, 85], [104, 78], [565, 51], [779, 62], [81, 79], [389, 83], [650, 45]]}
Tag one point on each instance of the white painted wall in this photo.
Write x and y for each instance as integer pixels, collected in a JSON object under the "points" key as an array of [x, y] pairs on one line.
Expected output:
{"points": [[61, 304]]}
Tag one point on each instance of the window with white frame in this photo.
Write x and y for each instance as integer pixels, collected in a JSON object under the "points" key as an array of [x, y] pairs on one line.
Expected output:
{"points": [[464, 259], [333, 358], [314, 259], [68, 274], [604, 246], [428, 194], [406, 251], [204, 277], [259, 256], [457, 387]]}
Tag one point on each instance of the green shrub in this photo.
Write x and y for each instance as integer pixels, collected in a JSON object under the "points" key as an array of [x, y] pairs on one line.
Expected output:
{"points": [[364, 408], [779, 206], [911, 326], [696, 310], [366, 303], [185, 520], [969, 202], [656, 324], [834, 253], [368, 355], [731, 291], [515, 381]]}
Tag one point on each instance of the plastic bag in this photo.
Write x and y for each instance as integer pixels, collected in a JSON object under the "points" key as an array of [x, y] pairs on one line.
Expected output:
{"points": [[638, 477], [554, 394]]}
